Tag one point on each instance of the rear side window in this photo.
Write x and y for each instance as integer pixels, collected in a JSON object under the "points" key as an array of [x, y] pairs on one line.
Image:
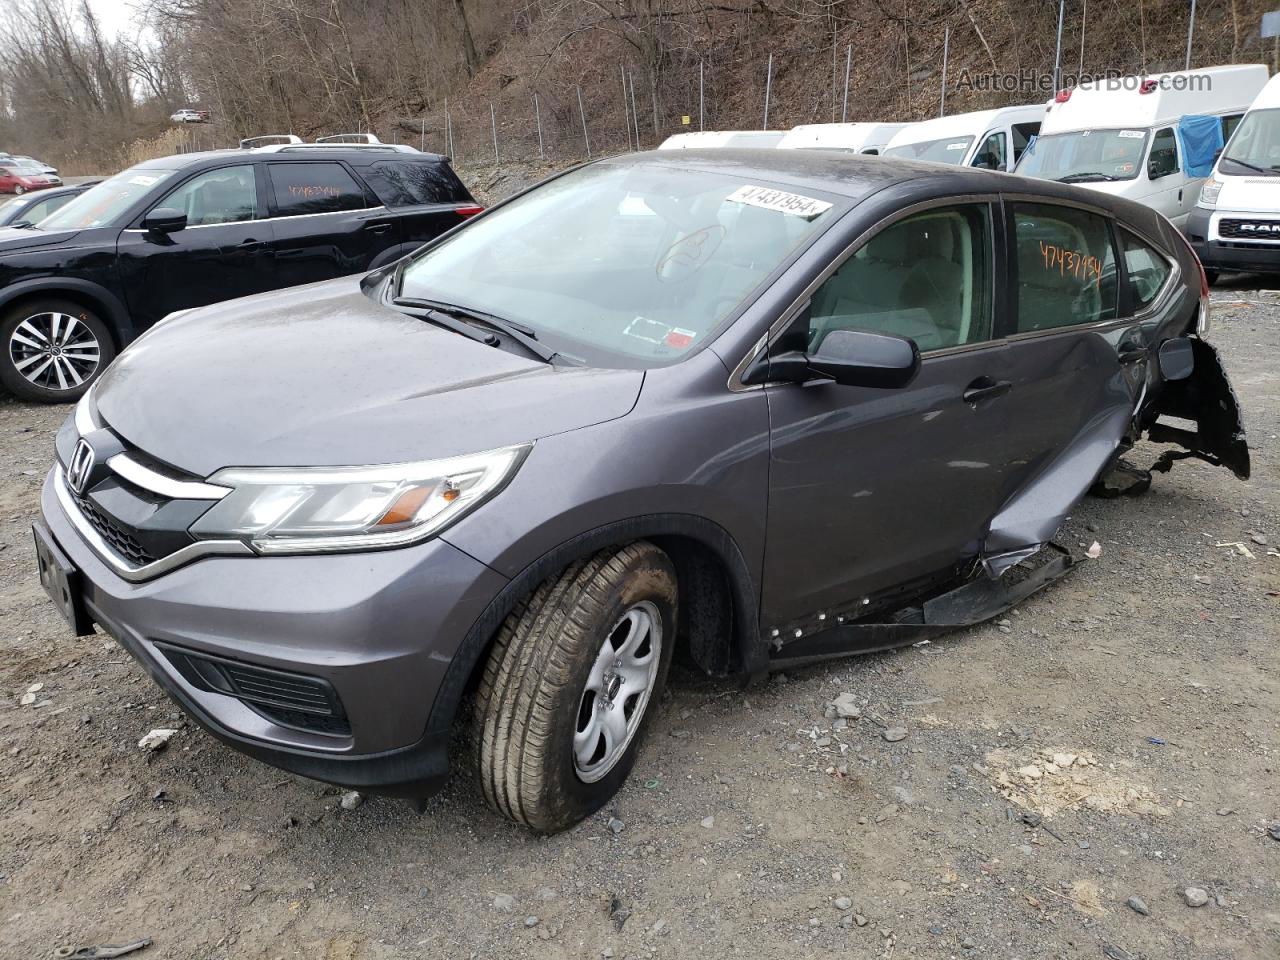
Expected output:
{"points": [[38, 211], [413, 182], [1066, 267], [323, 187], [1147, 271], [927, 278]]}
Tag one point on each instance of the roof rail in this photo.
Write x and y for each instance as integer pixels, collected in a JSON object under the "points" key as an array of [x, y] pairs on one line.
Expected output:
{"points": [[321, 147], [271, 138], [349, 138]]}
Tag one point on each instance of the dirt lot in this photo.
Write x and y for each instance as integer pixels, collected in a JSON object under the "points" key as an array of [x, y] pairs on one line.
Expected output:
{"points": [[1134, 706]]}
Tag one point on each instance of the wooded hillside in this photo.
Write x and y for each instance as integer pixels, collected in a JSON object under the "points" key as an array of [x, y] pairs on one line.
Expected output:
{"points": [[76, 97]]}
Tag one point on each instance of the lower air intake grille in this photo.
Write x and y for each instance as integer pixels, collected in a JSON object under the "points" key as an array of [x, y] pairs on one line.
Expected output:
{"points": [[289, 699]]}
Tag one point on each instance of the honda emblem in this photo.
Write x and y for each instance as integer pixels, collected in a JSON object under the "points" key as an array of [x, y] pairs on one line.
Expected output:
{"points": [[81, 467]]}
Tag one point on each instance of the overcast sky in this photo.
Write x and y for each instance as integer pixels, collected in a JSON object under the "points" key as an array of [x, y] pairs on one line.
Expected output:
{"points": [[116, 15]]}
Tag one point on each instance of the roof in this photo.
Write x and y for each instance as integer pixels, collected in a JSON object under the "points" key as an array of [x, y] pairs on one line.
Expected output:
{"points": [[357, 155], [966, 124], [1270, 95], [852, 136], [1120, 102]]}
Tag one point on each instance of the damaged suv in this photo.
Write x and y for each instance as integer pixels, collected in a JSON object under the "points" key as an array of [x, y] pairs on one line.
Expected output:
{"points": [[749, 408]]}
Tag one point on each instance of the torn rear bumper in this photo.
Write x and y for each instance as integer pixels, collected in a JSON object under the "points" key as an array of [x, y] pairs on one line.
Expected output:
{"points": [[1206, 398]]}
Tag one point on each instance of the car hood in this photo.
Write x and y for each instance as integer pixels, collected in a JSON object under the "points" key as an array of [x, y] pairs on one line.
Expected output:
{"points": [[1260, 194], [13, 240], [324, 376]]}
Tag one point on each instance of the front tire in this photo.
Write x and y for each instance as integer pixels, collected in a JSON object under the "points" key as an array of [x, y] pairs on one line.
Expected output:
{"points": [[1211, 277], [19, 190], [571, 686], [52, 350]]}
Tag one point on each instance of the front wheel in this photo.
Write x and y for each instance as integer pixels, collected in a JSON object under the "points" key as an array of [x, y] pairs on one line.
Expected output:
{"points": [[19, 190], [52, 350], [571, 684]]}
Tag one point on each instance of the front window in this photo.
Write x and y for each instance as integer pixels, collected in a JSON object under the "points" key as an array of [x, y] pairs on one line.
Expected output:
{"points": [[946, 150], [1255, 146], [637, 263], [104, 204], [1085, 156]]}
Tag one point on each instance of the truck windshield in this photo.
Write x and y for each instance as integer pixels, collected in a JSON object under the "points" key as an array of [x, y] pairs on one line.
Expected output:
{"points": [[623, 264], [1255, 146], [100, 206], [1085, 156], [946, 150]]}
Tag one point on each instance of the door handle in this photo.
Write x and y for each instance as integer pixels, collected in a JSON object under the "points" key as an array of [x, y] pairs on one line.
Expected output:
{"points": [[983, 389], [250, 244], [378, 228]]}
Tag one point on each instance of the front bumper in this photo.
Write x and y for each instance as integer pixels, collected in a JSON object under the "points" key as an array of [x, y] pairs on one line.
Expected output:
{"points": [[379, 628], [1215, 253]]}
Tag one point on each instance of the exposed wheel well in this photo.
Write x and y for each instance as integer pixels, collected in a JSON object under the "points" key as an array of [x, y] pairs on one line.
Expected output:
{"points": [[86, 300], [706, 624]]}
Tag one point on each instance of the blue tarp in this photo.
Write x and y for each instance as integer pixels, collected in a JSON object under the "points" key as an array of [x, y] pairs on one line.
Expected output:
{"points": [[1201, 139]]}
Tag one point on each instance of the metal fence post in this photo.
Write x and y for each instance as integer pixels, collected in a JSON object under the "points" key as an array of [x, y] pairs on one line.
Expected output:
{"points": [[626, 112], [768, 87], [422, 140], [493, 121], [537, 115], [946, 49], [635, 117], [1191, 32], [848, 63], [448, 131], [1057, 56], [583, 114], [701, 99]]}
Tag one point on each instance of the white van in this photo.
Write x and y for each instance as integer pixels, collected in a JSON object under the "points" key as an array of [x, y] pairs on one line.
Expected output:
{"points": [[735, 139], [870, 138], [1236, 222], [1119, 135], [993, 139]]}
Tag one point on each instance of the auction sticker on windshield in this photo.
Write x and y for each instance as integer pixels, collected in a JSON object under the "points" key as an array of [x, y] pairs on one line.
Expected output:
{"points": [[1133, 134], [780, 201]]}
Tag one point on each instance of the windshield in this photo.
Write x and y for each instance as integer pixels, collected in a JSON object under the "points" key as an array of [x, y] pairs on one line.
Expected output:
{"points": [[1255, 146], [946, 150], [101, 205], [640, 263], [10, 208], [1084, 155]]}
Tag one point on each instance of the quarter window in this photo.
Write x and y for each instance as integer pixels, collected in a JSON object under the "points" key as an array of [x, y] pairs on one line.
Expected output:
{"points": [[1164, 154], [225, 195], [1066, 267], [323, 187], [927, 277], [1146, 270]]}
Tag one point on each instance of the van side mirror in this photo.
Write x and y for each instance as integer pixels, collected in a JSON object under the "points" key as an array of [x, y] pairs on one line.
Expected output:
{"points": [[1156, 170], [165, 220], [852, 358]]}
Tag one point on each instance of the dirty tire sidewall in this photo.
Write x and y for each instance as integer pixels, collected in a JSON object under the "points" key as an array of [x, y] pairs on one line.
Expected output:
{"points": [[527, 704], [13, 380]]}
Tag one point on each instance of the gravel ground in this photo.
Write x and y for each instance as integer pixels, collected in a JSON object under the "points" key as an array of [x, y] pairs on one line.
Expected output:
{"points": [[1115, 737]]}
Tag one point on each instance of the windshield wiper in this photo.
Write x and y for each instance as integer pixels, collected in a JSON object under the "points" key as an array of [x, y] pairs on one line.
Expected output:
{"points": [[440, 319], [1269, 171], [516, 331], [1086, 177]]}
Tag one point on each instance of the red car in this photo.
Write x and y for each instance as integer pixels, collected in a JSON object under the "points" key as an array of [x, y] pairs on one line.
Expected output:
{"points": [[19, 176]]}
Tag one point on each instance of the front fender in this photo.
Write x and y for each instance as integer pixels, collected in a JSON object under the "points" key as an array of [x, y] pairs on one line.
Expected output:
{"points": [[113, 311]]}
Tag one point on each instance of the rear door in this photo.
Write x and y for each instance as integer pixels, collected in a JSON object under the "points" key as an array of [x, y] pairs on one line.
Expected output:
{"points": [[326, 225], [425, 196], [223, 252], [872, 488], [1077, 364]]}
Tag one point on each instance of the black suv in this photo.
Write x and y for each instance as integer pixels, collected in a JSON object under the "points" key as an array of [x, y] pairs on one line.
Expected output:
{"points": [[189, 230]]}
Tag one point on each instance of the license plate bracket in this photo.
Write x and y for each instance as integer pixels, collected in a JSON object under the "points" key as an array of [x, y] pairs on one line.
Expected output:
{"points": [[61, 581]]}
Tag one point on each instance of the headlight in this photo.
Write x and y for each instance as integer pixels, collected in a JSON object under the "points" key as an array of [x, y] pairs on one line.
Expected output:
{"points": [[324, 509], [1209, 192]]}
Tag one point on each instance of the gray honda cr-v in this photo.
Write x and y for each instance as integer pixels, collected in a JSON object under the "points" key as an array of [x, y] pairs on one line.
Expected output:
{"points": [[746, 408]]}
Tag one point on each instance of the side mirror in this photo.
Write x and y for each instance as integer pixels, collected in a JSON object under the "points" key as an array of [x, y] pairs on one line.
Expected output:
{"points": [[853, 358], [165, 220], [1155, 171]]}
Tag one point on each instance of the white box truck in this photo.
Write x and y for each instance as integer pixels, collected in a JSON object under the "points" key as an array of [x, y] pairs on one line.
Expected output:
{"points": [[1120, 136]]}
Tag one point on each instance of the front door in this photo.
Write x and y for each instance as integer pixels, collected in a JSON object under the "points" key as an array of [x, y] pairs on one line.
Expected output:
{"points": [[1170, 193], [326, 225], [872, 488], [223, 252]]}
